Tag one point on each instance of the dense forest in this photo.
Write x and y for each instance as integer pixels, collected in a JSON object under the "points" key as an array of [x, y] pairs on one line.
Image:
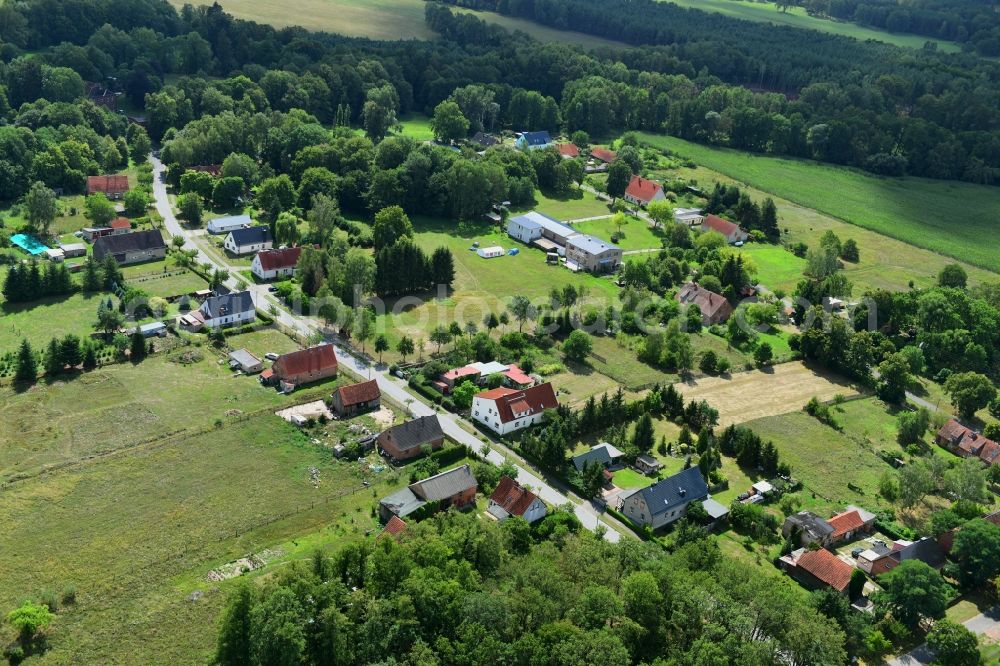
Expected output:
{"points": [[886, 109], [975, 24], [457, 590]]}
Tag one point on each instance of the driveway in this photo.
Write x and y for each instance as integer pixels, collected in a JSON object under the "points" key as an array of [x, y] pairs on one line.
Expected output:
{"points": [[395, 388], [987, 623]]}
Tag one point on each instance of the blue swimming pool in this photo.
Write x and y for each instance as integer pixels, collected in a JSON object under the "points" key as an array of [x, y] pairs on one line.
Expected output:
{"points": [[29, 243]]}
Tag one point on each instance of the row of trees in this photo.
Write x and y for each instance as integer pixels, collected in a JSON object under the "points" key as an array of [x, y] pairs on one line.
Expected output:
{"points": [[31, 281]]}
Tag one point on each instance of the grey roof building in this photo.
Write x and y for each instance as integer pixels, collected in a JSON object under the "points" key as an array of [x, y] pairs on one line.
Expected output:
{"points": [[812, 528], [598, 455], [251, 235], [593, 254], [456, 487], [229, 304], [665, 501], [131, 248]]}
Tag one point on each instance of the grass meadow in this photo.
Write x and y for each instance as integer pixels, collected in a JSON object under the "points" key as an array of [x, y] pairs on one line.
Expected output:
{"points": [[136, 534], [946, 217], [796, 17], [636, 233]]}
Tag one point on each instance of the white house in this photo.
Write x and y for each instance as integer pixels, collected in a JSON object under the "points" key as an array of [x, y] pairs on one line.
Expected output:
{"points": [[223, 225], [692, 217], [249, 240], [541, 231], [641, 191], [524, 228], [505, 410], [271, 264], [233, 309], [533, 140], [512, 499], [490, 252]]}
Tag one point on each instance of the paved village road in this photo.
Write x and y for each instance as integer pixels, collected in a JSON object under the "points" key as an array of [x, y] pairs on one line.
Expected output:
{"points": [[395, 388]]}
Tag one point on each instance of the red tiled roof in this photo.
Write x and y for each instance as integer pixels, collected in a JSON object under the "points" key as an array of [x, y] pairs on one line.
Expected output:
{"points": [[990, 453], [395, 525], [464, 371], [827, 567], [707, 301], [510, 401], [517, 375], [716, 223], [968, 441], [120, 223], [603, 154], [267, 374], [310, 360], [272, 260], [107, 184], [512, 497], [845, 522], [642, 189], [358, 393], [568, 150]]}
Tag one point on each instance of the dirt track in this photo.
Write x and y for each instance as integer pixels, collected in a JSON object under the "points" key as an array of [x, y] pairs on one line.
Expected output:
{"points": [[752, 395]]}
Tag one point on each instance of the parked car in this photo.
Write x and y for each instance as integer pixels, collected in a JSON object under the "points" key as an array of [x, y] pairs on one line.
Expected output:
{"points": [[272, 289], [271, 356]]}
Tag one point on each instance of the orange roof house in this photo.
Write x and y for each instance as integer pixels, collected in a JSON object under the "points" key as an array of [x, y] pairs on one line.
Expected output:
{"points": [[111, 186], [356, 398], [641, 191], [512, 499], [304, 366]]}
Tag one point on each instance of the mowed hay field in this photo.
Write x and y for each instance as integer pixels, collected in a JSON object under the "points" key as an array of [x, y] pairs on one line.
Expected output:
{"points": [[946, 217], [796, 17], [756, 394], [383, 19], [137, 533]]}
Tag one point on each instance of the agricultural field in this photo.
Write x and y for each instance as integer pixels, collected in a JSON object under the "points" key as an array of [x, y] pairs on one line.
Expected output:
{"points": [[136, 534], [758, 394], [383, 19], [825, 460], [919, 212], [796, 17]]}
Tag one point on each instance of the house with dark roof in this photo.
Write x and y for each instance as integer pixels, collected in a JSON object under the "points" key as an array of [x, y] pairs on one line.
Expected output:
{"points": [[715, 309], [132, 248], [850, 524], [505, 410], [113, 187], [811, 529], [272, 264], [512, 499], [731, 231], [248, 240], [223, 310], [453, 488], [302, 367], [882, 558], [407, 440], [603, 454], [647, 464], [641, 191], [666, 501], [354, 399], [816, 569], [967, 443], [533, 140], [484, 140]]}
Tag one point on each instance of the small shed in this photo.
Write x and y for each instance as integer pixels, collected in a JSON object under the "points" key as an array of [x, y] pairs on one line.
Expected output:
{"points": [[54, 254], [762, 487], [157, 328], [245, 361], [490, 252], [647, 464], [73, 250]]}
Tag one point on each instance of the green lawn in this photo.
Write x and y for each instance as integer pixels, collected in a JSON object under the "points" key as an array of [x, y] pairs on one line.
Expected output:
{"points": [[636, 233], [797, 17], [137, 533], [44, 319], [577, 205], [610, 357], [917, 211], [262, 341], [777, 268], [825, 460], [417, 126], [177, 283], [481, 285], [629, 478]]}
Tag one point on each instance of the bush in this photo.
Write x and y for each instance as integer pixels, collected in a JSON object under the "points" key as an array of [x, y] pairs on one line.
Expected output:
{"points": [[69, 595]]}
